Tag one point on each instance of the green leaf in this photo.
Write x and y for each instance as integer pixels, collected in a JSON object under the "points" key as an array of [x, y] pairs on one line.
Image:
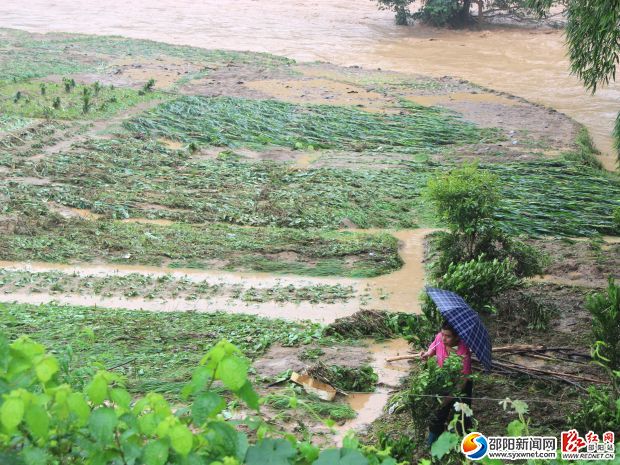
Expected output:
{"points": [[97, 390], [148, 423], [35, 456], [444, 444], [341, 457], [309, 451], [515, 428], [79, 407], [102, 423], [120, 397], [233, 371], [155, 453], [249, 395], [12, 413], [46, 368], [207, 405], [270, 452], [181, 439], [37, 421]]}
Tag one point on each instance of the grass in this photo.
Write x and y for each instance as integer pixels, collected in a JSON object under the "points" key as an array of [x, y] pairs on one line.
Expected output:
{"points": [[292, 399], [556, 198], [152, 350], [586, 152], [57, 103], [25, 56], [233, 122]]}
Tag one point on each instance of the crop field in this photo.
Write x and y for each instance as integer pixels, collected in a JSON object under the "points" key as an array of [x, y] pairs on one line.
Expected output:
{"points": [[286, 185]]}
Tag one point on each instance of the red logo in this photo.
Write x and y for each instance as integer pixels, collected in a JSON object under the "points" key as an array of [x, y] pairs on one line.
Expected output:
{"points": [[572, 442], [608, 437]]}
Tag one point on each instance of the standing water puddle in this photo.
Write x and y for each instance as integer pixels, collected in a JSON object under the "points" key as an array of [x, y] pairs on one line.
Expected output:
{"points": [[369, 406]]}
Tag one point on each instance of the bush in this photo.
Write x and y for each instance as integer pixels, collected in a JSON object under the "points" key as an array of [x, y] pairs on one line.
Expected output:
{"points": [[494, 244], [399, 7], [45, 422], [439, 13], [605, 310], [465, 199], [598, 411], [480, 280], [423, 394]]}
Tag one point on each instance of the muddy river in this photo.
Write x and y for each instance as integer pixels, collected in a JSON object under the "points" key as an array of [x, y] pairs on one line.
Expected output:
{"points": [[528, 63]]}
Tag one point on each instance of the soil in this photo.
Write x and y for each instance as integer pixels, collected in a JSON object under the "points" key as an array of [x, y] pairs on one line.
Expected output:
{"points": [[581, 263]]}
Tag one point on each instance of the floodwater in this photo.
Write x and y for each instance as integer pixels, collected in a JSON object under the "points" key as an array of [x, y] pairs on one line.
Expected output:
{"points": [[369, 406], [528, 63], [397, 291]]}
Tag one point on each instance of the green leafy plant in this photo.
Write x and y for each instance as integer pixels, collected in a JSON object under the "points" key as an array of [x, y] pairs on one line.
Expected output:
{"points": [[480, 280], [86, 100], [425, 391], [149, 86], [605, 310], [44, 421], [439, 13], [69, 84]]}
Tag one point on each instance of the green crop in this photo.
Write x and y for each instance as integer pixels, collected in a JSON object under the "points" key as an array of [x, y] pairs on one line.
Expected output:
{"points": [[228, 121]]}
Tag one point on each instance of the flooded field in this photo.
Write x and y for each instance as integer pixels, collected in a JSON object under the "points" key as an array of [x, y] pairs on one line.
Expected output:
{"points": [[346, 33]]}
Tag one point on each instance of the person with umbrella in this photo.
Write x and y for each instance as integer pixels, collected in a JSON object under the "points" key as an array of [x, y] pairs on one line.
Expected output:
{"points": [[462, 332]]}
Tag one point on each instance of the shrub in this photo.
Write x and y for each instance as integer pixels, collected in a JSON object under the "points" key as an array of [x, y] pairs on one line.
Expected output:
{"points": [[423, 394], [480, 280], [465, 198], [494, 244], [598, 411], [439, 13], [605, 310]]}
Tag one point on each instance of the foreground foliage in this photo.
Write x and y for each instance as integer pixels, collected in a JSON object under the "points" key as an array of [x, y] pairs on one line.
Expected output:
{"points": [[46, 422], [154, 351]]}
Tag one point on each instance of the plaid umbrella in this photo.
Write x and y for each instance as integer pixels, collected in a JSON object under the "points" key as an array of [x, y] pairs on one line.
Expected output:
{"points": [[465, 322]]}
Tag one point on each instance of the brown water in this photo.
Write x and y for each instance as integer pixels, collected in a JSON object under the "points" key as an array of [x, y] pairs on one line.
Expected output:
{"points": [[528, 63], [395, 291], [369, 406]]}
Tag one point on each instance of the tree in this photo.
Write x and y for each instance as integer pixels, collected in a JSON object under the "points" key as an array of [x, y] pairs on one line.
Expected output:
{"points": [[593, 38], [455, 13]]}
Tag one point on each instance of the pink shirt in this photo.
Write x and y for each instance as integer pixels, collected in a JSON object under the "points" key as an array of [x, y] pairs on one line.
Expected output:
{"points": [[439, 348]]}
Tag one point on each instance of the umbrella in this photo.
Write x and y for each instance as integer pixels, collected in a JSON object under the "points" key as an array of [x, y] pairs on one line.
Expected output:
{"points": [[465, 322]]}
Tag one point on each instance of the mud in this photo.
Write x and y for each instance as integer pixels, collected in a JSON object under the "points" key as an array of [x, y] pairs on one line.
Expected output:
{"points": [[530, 63], [323, 91], [400, 290], [586, 263]]}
